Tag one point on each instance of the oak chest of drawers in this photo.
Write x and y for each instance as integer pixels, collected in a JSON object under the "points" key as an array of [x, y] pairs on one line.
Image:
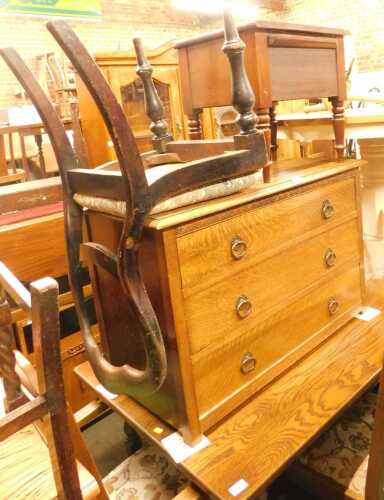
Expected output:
{"points": [[245, 286]]}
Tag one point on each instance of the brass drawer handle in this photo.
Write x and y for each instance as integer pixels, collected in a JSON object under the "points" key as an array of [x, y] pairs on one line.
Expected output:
{"points": [[243, 307], [330, 258], [333, 306], [247, 363], [238, 248], [327, 209]]}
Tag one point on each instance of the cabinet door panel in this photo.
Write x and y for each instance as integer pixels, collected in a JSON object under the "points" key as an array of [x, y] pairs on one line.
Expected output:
{"points": [[129, 90]]}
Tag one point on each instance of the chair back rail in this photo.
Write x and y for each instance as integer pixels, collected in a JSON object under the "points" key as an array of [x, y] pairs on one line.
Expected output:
{"points": [[118, 379]]}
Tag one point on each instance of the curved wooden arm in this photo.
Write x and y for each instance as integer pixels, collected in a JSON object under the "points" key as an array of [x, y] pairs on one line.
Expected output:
{"points": [[122, 379], [243, 98], [153, 105]]}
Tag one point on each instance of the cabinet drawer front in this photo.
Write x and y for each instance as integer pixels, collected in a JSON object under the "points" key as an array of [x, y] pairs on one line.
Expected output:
{"points": [[226, 373], [218, 311], [226, 247]]}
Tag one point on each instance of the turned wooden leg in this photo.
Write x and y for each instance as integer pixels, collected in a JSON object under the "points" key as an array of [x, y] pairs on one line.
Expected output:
{"points": [[272, 117], [338, 125], [264, 124], [14, 397], [194, 125]]}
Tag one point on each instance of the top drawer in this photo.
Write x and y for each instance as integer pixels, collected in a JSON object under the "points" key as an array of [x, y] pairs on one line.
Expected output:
{"points": [[224, 247]]}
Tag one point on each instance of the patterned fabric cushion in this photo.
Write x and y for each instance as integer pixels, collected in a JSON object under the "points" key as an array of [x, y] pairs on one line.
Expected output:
{"points": [[145, 475], [198, 195], [341, 454]]}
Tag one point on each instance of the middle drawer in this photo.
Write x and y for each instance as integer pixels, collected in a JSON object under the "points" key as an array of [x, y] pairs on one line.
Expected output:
{"points": [[233, 305]]}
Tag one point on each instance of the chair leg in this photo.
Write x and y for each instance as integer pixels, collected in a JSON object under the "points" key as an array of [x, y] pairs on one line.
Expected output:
{"points": [[83, 454]]}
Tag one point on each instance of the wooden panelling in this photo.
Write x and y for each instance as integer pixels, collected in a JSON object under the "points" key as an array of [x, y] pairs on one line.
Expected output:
{"points": [[205, 255], [275, 343], [35, 248], [316, 67]]}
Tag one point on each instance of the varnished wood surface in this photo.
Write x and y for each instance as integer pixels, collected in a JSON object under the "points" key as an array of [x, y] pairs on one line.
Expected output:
{"points": [[288, 28], [268, 284], [257, 441], [35, 248], [264, 228], [276, 341]]}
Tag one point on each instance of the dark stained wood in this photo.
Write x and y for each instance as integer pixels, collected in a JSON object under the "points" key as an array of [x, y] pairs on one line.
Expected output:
{"points": [[243, 98], [153, 105], [46, 340], [14, 396], [194, 150]]}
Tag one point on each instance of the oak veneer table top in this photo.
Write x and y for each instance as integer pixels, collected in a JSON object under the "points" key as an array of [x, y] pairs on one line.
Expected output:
{"points": [[261, 438]]}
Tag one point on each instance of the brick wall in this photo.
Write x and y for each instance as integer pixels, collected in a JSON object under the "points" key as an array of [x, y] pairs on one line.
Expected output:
{"points": [[363, 18], [156, 20]]}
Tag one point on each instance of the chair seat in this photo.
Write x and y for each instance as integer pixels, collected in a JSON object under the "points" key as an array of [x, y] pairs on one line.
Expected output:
{"points": [[341, 454], [225, 188], [26, 469], [147, 474]]}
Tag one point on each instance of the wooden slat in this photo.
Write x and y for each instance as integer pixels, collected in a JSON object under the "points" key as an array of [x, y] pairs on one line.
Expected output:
{"points": [[30, 195], [22, 416], [103, 183], [14, 288], [258, 441]]}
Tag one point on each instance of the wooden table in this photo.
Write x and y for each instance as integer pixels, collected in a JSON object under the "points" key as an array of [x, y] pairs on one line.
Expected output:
{"points": [[361, 123], [283, 62], [257, 441], [27, 129]]}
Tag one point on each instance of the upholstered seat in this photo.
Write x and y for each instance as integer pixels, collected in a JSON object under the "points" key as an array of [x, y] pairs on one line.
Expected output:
{"points": [[117, 208], [147, 474], [340, 456]]}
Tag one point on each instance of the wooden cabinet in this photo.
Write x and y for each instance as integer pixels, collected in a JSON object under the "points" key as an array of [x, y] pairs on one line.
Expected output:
{"points": [[120, 70], [283, 62], [246, 285]]}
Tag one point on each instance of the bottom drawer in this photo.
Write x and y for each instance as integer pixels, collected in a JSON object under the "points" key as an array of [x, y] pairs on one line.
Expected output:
{"points": [[225, 375]]}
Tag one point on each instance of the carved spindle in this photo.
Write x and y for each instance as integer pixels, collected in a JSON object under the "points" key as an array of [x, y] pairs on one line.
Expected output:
{"points": [[153, 105], [273, 120], [243, 98], [195, 131], [14, 397], [338, 125]]}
